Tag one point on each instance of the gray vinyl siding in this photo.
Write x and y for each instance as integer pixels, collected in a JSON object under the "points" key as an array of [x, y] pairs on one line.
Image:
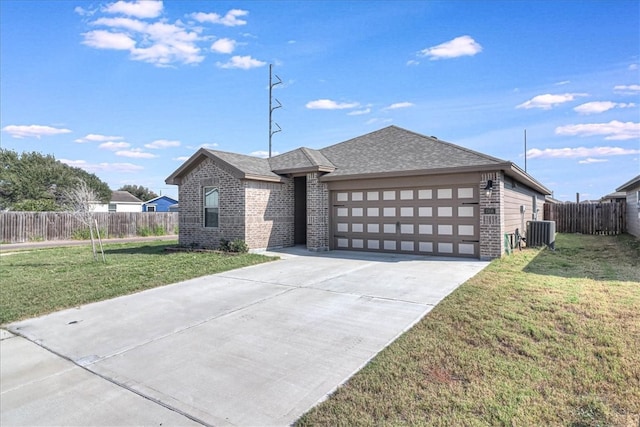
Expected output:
{"points": [[633, 212], [515, 196]]}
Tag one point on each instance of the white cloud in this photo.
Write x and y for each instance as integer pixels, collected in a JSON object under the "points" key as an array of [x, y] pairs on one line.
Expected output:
{"points": [[548, 101], [633, 67], [103, 167], [162, 143], [92, 137], [83, 12], [590, 160], [126, 23], [562, 83], [614, 130], [359, 112], [210, 145], [229, 20], [600, 107], [377, 120], [113, 146], [263, 154], [33, 131], [159, 43], [135, 153], [101, 39], [568, 153], [327, 104], [242, 62], [413, 62], [181, 158], [139, 9], [627, 89], [224, 45], [168, 43], [460, 46], [399, 105]]}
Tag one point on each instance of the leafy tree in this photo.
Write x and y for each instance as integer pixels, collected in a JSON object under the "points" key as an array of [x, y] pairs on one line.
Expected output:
{"points": [[142, 193], [35, 181]]}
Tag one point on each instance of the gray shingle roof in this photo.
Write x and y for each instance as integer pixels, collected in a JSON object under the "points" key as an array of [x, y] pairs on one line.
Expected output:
{"points": [[391, 150], [300, 158], [124, 197], [394, 149], [248, 165]]}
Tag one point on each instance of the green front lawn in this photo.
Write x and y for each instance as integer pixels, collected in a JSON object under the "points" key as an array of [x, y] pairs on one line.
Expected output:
{"points": [[538, 338], [45, 280]]}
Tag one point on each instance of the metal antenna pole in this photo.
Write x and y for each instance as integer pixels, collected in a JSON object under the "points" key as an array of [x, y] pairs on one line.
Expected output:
{"points": [[525, 150], [271, 107]]}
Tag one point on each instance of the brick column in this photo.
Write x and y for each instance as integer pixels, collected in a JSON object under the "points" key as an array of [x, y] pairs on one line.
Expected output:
{"points": [[492, 217], [317, 213]]}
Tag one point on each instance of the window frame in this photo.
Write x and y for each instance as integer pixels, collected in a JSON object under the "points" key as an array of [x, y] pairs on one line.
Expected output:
{"points": [[205, 207], [151, 208], [113, 207]]}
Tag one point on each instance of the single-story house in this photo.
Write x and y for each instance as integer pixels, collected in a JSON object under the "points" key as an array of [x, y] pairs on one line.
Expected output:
{"points": [[616, 197], [392, 190], [159, 204], [632, 190], [121, 201]]}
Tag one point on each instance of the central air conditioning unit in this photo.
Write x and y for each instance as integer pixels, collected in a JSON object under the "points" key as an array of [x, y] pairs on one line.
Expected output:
{"points": [[541, 233]]}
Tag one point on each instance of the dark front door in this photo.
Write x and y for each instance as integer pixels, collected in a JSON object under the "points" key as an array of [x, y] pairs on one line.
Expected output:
{"points": [[300, 210]]}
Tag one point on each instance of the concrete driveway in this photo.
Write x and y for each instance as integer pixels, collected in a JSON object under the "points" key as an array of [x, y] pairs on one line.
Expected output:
{"points": [[255, 346]]}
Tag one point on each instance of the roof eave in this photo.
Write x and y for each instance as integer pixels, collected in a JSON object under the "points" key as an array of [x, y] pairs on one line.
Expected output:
{"points": [[522, 176], [510, 168], [175, 177], [629, 184], [252, 177], [304, 169], [403, 173]]}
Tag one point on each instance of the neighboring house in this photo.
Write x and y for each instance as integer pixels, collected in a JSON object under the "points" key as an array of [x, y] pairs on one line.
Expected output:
{"points": [[121, 201], [159, 204], [391, 190], [174, 208], [617, 197], [632, 191]]}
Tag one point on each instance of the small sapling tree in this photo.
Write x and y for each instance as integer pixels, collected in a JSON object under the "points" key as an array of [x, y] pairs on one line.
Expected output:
{"points": [[79, 199]]}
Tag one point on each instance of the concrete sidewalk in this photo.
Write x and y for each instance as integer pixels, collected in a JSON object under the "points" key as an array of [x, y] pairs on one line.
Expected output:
{"points": [[255, 346]]}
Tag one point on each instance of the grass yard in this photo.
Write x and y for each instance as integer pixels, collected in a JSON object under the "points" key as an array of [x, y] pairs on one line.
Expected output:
{"points": [[45, 280], [537, 338]]}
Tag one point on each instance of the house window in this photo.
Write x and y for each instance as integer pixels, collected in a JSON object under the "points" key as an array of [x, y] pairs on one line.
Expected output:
{"points": [[211, 207], [151, 208], [113, 207]]}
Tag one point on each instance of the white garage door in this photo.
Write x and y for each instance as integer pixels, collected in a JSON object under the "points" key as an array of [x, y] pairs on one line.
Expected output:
{"points": [[440, 221]]}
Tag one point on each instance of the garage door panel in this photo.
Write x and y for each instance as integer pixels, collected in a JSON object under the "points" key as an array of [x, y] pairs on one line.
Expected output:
{"points": [[436, 221]]}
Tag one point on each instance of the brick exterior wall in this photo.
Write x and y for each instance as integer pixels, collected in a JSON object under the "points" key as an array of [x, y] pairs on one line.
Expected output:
{"points": [[317, 213], [269, 214], [492, 225], [259, 213]]}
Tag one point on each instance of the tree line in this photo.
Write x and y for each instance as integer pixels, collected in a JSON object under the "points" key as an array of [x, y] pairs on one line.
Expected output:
{"points": [[32, 181]]}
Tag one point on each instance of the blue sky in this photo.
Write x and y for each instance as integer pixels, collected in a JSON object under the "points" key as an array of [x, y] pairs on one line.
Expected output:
{"points": [[129, 90]]}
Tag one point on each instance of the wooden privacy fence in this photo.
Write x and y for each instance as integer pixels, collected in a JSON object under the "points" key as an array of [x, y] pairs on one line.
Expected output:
{"points": [[19, 227], [587, 218]]}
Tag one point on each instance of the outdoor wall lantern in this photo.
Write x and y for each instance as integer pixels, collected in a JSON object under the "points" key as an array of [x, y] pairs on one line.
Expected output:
{"points": [[489, 188]]}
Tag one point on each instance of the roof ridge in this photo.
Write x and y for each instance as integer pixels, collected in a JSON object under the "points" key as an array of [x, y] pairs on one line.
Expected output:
{"points": [[451, 144], [308, 155]]}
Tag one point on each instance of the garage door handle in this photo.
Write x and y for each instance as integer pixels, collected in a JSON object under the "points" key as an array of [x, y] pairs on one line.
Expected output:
{"points": [[471, 241], [470, 203], [337, 206]]}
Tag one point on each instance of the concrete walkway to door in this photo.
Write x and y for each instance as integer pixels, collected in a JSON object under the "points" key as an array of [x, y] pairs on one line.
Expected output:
{"points": [[255, 346]]}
